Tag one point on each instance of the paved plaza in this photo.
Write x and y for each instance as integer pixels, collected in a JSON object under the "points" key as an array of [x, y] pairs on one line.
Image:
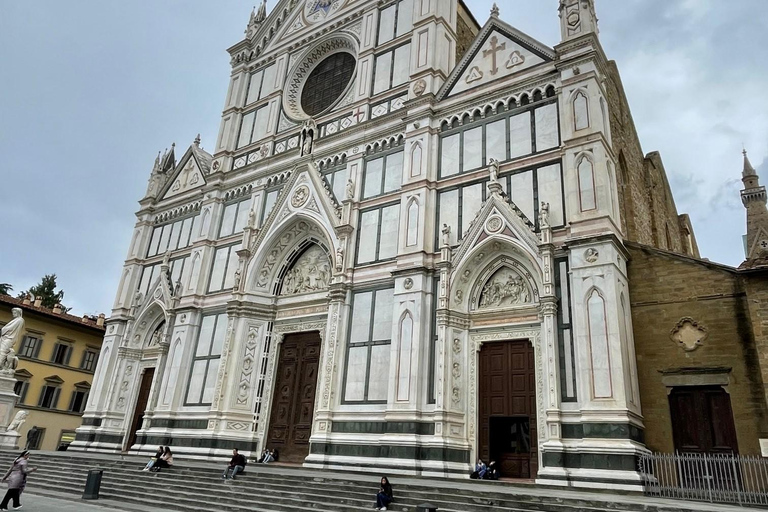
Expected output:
{"points": [[37, 503]]}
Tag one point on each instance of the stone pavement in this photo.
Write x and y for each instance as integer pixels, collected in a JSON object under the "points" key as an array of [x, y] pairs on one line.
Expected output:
{"points": [[37, 503]]}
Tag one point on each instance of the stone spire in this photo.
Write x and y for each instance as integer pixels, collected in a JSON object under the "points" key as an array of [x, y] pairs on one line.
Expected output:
{"points": [[577, 17], [754, 198], [495, 11], [257, 18]]}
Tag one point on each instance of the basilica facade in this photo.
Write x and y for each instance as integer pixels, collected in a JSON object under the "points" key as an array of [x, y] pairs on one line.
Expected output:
{"points": [[407, 250]]}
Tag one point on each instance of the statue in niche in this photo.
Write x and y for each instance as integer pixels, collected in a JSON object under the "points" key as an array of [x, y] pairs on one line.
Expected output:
{"points": [[251, 218], [544, 215], [157, 335], [446, 235], [339, 259], [308, 137], [505, 288], [310, 273], [350, 190]]}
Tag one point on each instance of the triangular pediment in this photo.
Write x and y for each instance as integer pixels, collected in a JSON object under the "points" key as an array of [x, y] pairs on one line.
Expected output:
{"points": [[499, 51], [306, 193], [189, 174], [291, 19], [498, 217]]}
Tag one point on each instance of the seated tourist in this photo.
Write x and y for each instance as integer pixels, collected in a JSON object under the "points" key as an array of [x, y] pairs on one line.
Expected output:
{"points": [[385, 495], [492, 473], [267, 456], [154, 459], [165, 460], [480, 470], [236, 465]]}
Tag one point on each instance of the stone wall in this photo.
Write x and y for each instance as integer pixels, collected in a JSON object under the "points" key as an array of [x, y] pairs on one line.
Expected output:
{"points": [[665, 288], [649, 214]]}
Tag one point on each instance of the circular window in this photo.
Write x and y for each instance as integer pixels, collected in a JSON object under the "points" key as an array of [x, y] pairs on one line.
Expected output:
{"points": [[321, 78], [327, 83]]}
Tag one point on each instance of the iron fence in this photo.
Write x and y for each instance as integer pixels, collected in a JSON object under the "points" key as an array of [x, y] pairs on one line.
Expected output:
{"points": [[716, 478]]}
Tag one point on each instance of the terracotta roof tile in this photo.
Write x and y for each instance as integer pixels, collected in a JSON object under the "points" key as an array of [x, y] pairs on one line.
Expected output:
{"points": [[14, 302]]}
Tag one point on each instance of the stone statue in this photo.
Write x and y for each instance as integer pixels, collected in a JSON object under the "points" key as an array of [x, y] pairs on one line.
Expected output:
{"points": [[339, 259], [9, 335], [350, 190], [167, 258], [308, 137], [544, 215], [251, 218], [138, 298], [238, 277], [446, 235], [17, 421], [493, 169]]}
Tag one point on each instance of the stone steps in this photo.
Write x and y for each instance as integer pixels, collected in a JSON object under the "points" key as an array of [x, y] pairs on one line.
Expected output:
{"points": [[193, 486]]}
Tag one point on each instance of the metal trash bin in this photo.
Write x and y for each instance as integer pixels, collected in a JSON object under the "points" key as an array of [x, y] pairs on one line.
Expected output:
{"points": [[93, 484], [426, 507]]}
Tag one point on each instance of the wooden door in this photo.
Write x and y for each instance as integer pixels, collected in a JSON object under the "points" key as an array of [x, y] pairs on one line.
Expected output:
{"points": [[141, 405], [293, 402], [702, 420], [507, 416]]}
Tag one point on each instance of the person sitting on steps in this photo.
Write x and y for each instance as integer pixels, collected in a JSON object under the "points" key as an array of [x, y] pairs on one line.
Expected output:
{"points": [[160, 452], [236, 465], [165, 460], [385, 495], [480, 470], [268, 456], [492, 473]]}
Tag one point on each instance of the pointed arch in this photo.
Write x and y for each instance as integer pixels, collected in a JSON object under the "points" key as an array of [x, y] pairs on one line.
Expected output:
{"points": [[416, 159], [599, 350], [307, 268], [205, 222], [412, 222], [587, 193], [404, 356], [580, 105]]}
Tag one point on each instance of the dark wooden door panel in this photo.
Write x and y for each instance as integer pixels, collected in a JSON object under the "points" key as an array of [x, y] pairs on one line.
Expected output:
{"points": [[141, 404], [702, 420], [507, 416], [293, 402]]}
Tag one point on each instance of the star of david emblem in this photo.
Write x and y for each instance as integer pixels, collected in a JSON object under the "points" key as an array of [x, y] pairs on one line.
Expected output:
{"points": [[319, 9]]}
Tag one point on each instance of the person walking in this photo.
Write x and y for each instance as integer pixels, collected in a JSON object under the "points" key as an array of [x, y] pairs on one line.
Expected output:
{"points": [[16, 477], [236, 465], [385, 495]]}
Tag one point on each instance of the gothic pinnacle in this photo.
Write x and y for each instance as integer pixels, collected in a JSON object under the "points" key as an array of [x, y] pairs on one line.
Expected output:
{"points": [[749, 170], [495, 11], [197, 140]]}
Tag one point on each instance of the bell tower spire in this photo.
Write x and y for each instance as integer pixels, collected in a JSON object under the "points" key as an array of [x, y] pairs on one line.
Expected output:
{"points": [[754, 198], [577, 17]]}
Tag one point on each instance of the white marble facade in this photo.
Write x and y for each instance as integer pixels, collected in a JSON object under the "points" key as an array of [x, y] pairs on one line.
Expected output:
{"points": [[422, 214]]}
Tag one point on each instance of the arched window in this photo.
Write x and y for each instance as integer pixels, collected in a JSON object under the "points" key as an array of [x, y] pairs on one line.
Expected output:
{"points": [[581, 111], [416, 154], [412, 236], [587, 195], [602, 387], [404, 358]]}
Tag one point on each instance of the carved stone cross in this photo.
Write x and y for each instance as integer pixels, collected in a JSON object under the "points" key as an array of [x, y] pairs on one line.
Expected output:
{"points": [[492, 51]]}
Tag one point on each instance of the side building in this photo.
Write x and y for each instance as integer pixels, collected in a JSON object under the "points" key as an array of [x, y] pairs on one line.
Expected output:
{"points": [[57, 354]]}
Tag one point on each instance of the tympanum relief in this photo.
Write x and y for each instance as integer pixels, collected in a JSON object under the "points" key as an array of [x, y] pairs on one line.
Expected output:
{"points": [[505, 288], [310, 273]]}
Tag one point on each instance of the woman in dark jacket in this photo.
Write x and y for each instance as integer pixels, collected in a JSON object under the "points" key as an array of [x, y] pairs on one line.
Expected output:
{"points": [[158, 454], [385, 495]]}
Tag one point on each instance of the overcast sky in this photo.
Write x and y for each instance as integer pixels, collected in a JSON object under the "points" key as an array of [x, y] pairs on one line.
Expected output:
{"points": [[91, 90]]}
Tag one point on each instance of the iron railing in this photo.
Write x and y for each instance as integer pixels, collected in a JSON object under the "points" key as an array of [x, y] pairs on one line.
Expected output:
{"points": [[716, 478]]}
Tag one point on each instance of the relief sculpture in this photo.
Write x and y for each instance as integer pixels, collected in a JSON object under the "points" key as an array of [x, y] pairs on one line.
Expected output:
{"points": [[311, 272], [505, 288]]}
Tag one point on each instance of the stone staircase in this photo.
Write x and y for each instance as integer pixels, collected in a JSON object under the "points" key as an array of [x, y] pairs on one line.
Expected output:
{"points": [[194, 486]]}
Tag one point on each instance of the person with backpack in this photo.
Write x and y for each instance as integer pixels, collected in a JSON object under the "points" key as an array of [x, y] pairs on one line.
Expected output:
{"points": [[236, 465], [16, 477]]}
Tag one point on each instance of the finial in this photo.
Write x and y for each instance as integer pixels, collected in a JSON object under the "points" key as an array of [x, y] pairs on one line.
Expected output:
{"points": [[197, 140], [749, 170], [495, 11]]}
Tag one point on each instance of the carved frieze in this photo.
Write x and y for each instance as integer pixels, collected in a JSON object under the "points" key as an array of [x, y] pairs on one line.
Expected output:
{"points": [[505, 288], [310, 273]]}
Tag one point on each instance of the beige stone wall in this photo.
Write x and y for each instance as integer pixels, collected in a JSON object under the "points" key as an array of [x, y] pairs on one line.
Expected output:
{"points": [[665, 288], [649, 214]]}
